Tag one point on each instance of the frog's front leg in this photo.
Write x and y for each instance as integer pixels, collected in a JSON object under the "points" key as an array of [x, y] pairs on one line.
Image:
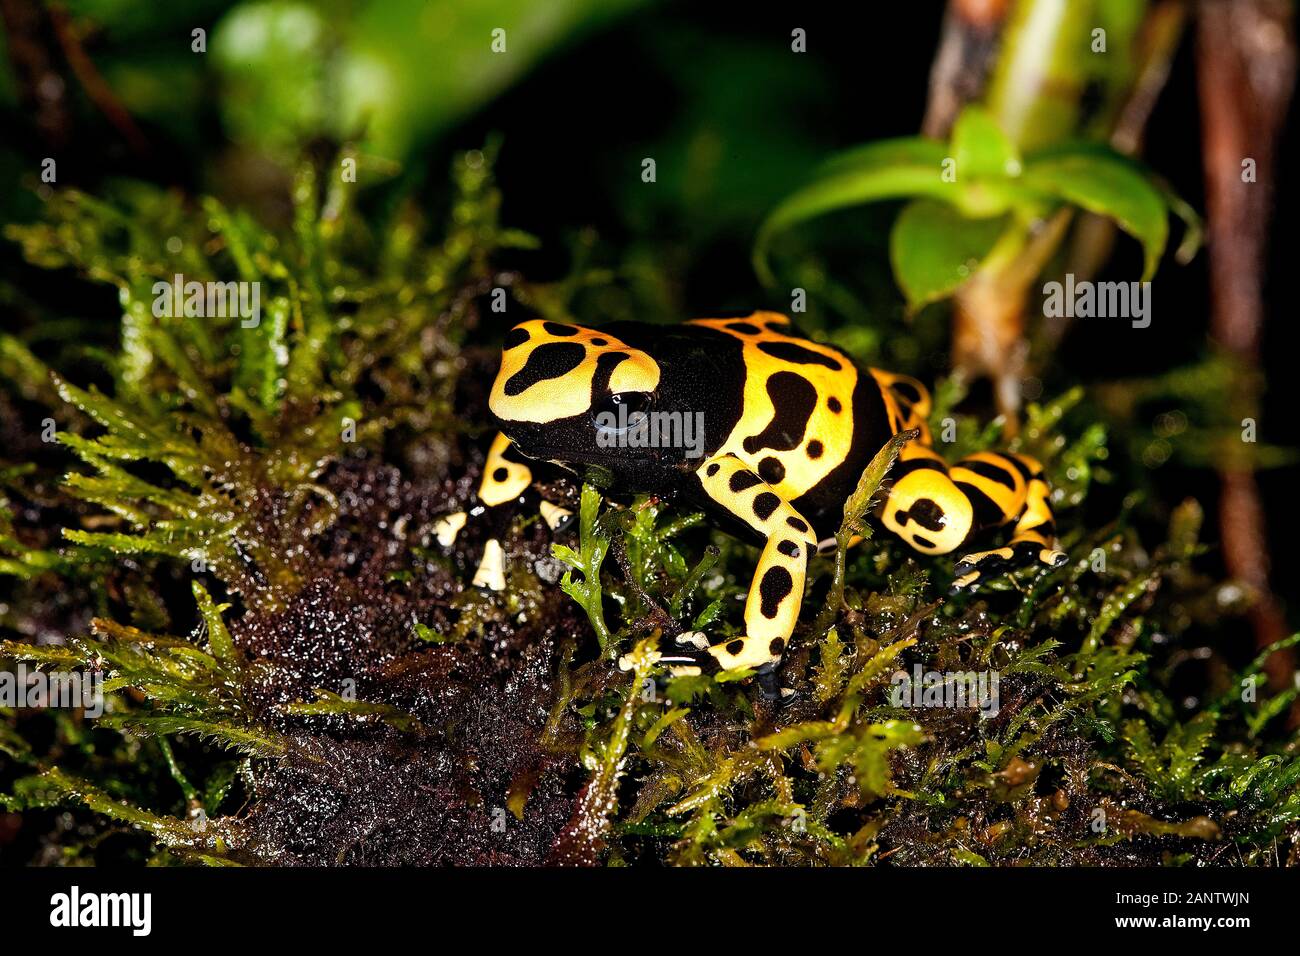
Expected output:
{"points": [[776, 593], [506, 477]]}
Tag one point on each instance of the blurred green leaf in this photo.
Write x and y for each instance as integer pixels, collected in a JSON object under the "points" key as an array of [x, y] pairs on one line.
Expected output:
{"points": [[393, 73], [990, 180], [891, 169], [934, 249], [1106, 183], [980, 147]]}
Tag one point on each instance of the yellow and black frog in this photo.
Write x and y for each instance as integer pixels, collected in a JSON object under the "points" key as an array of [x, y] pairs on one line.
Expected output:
{"points": [[765, 430]]}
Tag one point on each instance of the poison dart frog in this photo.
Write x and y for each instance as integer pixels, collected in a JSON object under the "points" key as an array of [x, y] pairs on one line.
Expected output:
{"points": [[788, 425]]}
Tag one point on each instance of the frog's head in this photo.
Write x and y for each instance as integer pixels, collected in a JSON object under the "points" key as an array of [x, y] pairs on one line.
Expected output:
{"points": [[571, 394]]}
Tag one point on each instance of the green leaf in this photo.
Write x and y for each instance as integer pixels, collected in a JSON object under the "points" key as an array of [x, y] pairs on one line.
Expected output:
{"points": [[986, 164], [934, 249], [593, 546], [1114, 606], [430, 636], [581, 840], [891, 169], [710, 613], [328, 702], [219, 639], [1171, 767], [55, 654], [1107, 184], [256, 742], [1273, 707], [904, 151], [705, 564], [54, 785], [980, 147]]}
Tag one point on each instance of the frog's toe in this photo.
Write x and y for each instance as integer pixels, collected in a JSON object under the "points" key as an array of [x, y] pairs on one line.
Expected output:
{"points": [[625, 663], [491, 573], [696, 639], [447, 528], [1034, 552], [559, 519], [1054, 558], [686, 654], [691, 653], [974, 568], [970, 569]]}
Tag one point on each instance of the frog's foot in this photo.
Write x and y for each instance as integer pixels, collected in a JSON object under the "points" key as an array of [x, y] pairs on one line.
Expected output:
{"points": [[506, 484], [685, 655], [691, 653], [490, 570], [769, 686], [490, 573], [974, 568]]}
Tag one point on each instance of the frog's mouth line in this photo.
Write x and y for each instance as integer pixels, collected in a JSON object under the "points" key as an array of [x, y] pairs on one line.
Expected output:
{"points": [[652, 436], [555, 453], [607, 459]]}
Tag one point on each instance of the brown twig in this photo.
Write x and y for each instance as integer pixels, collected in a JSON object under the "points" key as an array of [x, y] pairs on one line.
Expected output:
{"points": [[1162, 29], [967, 49], [1246, 69], [1094, 236], [40, 87], [92, 81]]}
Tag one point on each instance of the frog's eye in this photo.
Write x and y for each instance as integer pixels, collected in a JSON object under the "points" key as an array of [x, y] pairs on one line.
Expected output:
{"points": [[622, 412]]}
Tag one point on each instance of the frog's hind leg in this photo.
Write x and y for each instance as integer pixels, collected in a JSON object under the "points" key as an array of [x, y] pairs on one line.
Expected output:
{"points": [[1033, 541], [907, 403], [937, 509], [924, 505]]}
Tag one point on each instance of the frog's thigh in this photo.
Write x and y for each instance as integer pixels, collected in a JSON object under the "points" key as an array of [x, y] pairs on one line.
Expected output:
{"points": [[776, 592], [927, 510]]}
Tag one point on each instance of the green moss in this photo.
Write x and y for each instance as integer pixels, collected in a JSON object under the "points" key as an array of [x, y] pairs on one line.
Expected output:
{"points": [[296, 675]]}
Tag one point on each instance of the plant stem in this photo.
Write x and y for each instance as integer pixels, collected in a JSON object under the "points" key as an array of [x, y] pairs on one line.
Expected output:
{"points": [[1246, 64]]}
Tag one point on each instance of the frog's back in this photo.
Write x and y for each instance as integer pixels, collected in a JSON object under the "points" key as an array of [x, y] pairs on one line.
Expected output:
{"points": [[799, 413]]}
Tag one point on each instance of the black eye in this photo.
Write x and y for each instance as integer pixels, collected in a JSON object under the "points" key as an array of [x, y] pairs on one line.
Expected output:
{"points": [[622, 411]]}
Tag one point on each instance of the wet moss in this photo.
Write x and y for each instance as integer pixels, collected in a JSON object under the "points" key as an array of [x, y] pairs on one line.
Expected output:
{"points": [[234, 529]]}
